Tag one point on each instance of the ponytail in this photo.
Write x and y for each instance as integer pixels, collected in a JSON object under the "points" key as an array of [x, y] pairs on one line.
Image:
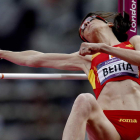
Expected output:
{"points": [[121, 26]]}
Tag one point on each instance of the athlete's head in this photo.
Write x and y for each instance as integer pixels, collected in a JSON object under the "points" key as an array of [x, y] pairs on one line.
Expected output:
{"points": [[119, 24]]}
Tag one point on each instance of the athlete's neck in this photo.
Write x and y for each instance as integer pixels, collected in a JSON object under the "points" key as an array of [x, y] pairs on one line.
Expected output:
{"points": [[107, 37]]}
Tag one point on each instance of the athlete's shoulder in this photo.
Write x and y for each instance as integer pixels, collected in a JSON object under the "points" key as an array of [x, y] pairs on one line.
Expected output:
{"points": [[135, 39]]}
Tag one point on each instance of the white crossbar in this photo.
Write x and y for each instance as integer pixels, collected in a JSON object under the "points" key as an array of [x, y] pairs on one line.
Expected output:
{"points": [[54, 76]]}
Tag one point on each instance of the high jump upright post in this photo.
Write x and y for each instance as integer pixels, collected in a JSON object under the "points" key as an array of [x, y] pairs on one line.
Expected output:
{"points": [[129, 6]]}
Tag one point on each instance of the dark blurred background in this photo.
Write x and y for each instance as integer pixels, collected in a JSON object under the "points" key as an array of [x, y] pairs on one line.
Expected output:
{"points": [[38, 109]]}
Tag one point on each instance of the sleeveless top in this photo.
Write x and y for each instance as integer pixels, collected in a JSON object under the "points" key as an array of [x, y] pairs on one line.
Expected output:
{"points": [[106, 68]]}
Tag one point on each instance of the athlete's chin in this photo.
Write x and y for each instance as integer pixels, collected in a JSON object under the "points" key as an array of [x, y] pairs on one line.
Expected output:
{"points": [[91, 35]]}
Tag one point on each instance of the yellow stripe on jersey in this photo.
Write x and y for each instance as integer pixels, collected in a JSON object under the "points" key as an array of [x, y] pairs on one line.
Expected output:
{"points": [[94, 55], [91, 78], [130, 46]]}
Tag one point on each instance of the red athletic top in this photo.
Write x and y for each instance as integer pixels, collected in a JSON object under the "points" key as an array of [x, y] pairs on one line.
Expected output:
{"points": [[106, 68]]}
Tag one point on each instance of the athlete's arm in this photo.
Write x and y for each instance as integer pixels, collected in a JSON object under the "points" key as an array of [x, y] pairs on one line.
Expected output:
{"points": [[131, 56], [51, 60]]}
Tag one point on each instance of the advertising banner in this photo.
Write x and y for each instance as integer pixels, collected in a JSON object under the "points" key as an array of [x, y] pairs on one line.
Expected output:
{"points": [[129, 6]]}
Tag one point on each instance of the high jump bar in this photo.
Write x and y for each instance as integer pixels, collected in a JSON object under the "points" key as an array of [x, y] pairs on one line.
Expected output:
{"points": [[54, 76]]}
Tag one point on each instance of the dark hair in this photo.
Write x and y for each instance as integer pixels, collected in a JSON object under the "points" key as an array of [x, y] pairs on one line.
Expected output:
{"points": [[121, 23]]}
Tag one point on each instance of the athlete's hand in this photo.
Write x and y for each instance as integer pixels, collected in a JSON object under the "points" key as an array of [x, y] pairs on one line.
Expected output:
{"points": [[90, 48]]}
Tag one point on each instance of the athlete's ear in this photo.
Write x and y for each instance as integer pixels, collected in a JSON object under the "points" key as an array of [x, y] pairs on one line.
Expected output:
{"points": [[110, 24]]}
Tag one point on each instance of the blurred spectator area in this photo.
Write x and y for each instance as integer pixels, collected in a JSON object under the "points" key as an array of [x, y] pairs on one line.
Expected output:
{"points": [[38, 109]]}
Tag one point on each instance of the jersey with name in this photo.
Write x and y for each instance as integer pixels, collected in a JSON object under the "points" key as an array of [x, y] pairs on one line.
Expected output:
{"points": [[106, 68]]}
